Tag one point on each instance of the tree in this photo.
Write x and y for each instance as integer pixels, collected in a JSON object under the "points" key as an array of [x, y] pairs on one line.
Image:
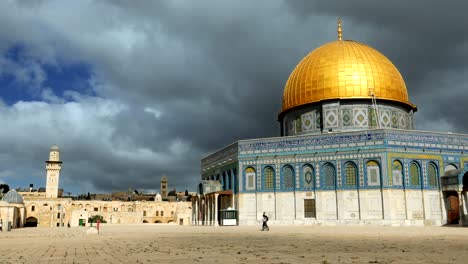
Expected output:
{"points": [[4, 188], [94, 218]]}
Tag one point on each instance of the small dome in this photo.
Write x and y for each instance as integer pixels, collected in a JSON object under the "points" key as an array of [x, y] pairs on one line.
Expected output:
{"points": [[13, 197], [158, 198], [54, 148]]}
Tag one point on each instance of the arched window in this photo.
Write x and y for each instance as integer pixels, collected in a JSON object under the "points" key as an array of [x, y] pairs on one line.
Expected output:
{"points": [[397, 172], [250, 178], [432, 175], [373, 173], [309, 179], [269, 178], [350, 175], [414, 174], [288, 177], [329, 175]]}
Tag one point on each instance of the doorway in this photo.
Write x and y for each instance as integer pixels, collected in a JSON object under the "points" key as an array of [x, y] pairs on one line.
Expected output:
{"points": [[453, 207], [31, 222]]}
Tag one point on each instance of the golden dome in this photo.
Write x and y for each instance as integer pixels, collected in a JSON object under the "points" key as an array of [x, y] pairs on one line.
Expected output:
{"points": [[344, 69]]}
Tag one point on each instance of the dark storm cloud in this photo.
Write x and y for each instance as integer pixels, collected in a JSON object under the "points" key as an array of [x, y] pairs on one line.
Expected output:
{"points": [[180, 79], [215, 71], [235, 61]]}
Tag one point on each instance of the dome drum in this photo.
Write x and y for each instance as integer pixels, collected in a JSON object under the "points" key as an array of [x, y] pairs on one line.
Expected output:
{"points": [[345, 115]]}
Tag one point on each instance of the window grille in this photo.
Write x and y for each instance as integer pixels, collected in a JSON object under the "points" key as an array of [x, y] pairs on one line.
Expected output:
{"points": [[269, 178], [329, 175], [432, 175], [351, 174], [288, 177], [414, 174], [309, 208]]}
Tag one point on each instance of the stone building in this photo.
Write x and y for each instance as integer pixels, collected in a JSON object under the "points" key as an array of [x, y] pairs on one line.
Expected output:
{"points": [[49, 209], [12, 210], [348, 153]]}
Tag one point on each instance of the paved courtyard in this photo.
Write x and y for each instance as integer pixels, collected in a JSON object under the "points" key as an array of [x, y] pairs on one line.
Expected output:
{"points": [[153, 243]]}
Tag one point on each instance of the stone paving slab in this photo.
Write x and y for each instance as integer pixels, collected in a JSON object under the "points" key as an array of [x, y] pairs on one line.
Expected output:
{"points": [[153, 243]]}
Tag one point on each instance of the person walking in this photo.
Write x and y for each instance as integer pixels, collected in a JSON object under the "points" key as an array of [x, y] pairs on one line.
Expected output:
{"points": [[265, 223]]}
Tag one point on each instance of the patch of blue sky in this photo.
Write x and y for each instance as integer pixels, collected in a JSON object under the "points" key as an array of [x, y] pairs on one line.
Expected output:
{"points": [[59, 77]]}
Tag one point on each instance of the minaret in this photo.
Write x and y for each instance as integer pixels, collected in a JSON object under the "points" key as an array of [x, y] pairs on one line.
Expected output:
{"points": [[53, 167], [164, 187]]}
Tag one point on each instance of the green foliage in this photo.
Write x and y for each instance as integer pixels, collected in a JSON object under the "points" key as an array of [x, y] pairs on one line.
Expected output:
{"points": [[94, 218], [4, 188]]}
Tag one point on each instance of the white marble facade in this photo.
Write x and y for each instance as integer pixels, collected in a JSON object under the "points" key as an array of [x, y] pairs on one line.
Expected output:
{"points": [[387, 207]]}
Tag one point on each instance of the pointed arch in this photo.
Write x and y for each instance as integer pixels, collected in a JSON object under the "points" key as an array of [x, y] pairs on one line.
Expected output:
{"points": [[288, 178], [397, 173], [432, 175], [373, 173], [308, 176], [450, 167], [414, 174], [328, 176], [350, 175], [269, 176], [250, 175]]}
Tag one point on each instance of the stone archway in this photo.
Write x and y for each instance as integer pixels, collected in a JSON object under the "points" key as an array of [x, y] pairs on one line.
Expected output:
{"points": [[31, 222], [157, 222], [454, 184], [145, 222]]}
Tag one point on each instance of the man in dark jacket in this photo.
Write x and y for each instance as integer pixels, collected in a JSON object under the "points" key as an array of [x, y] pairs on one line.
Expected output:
{"points": [[265, 223]]}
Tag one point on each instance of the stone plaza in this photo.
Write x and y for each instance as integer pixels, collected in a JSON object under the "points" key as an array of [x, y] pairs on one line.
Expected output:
{"points": [[170, 243]]}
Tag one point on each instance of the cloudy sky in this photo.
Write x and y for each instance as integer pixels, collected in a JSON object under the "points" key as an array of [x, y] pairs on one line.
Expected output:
{"points": [[133, 90]]}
